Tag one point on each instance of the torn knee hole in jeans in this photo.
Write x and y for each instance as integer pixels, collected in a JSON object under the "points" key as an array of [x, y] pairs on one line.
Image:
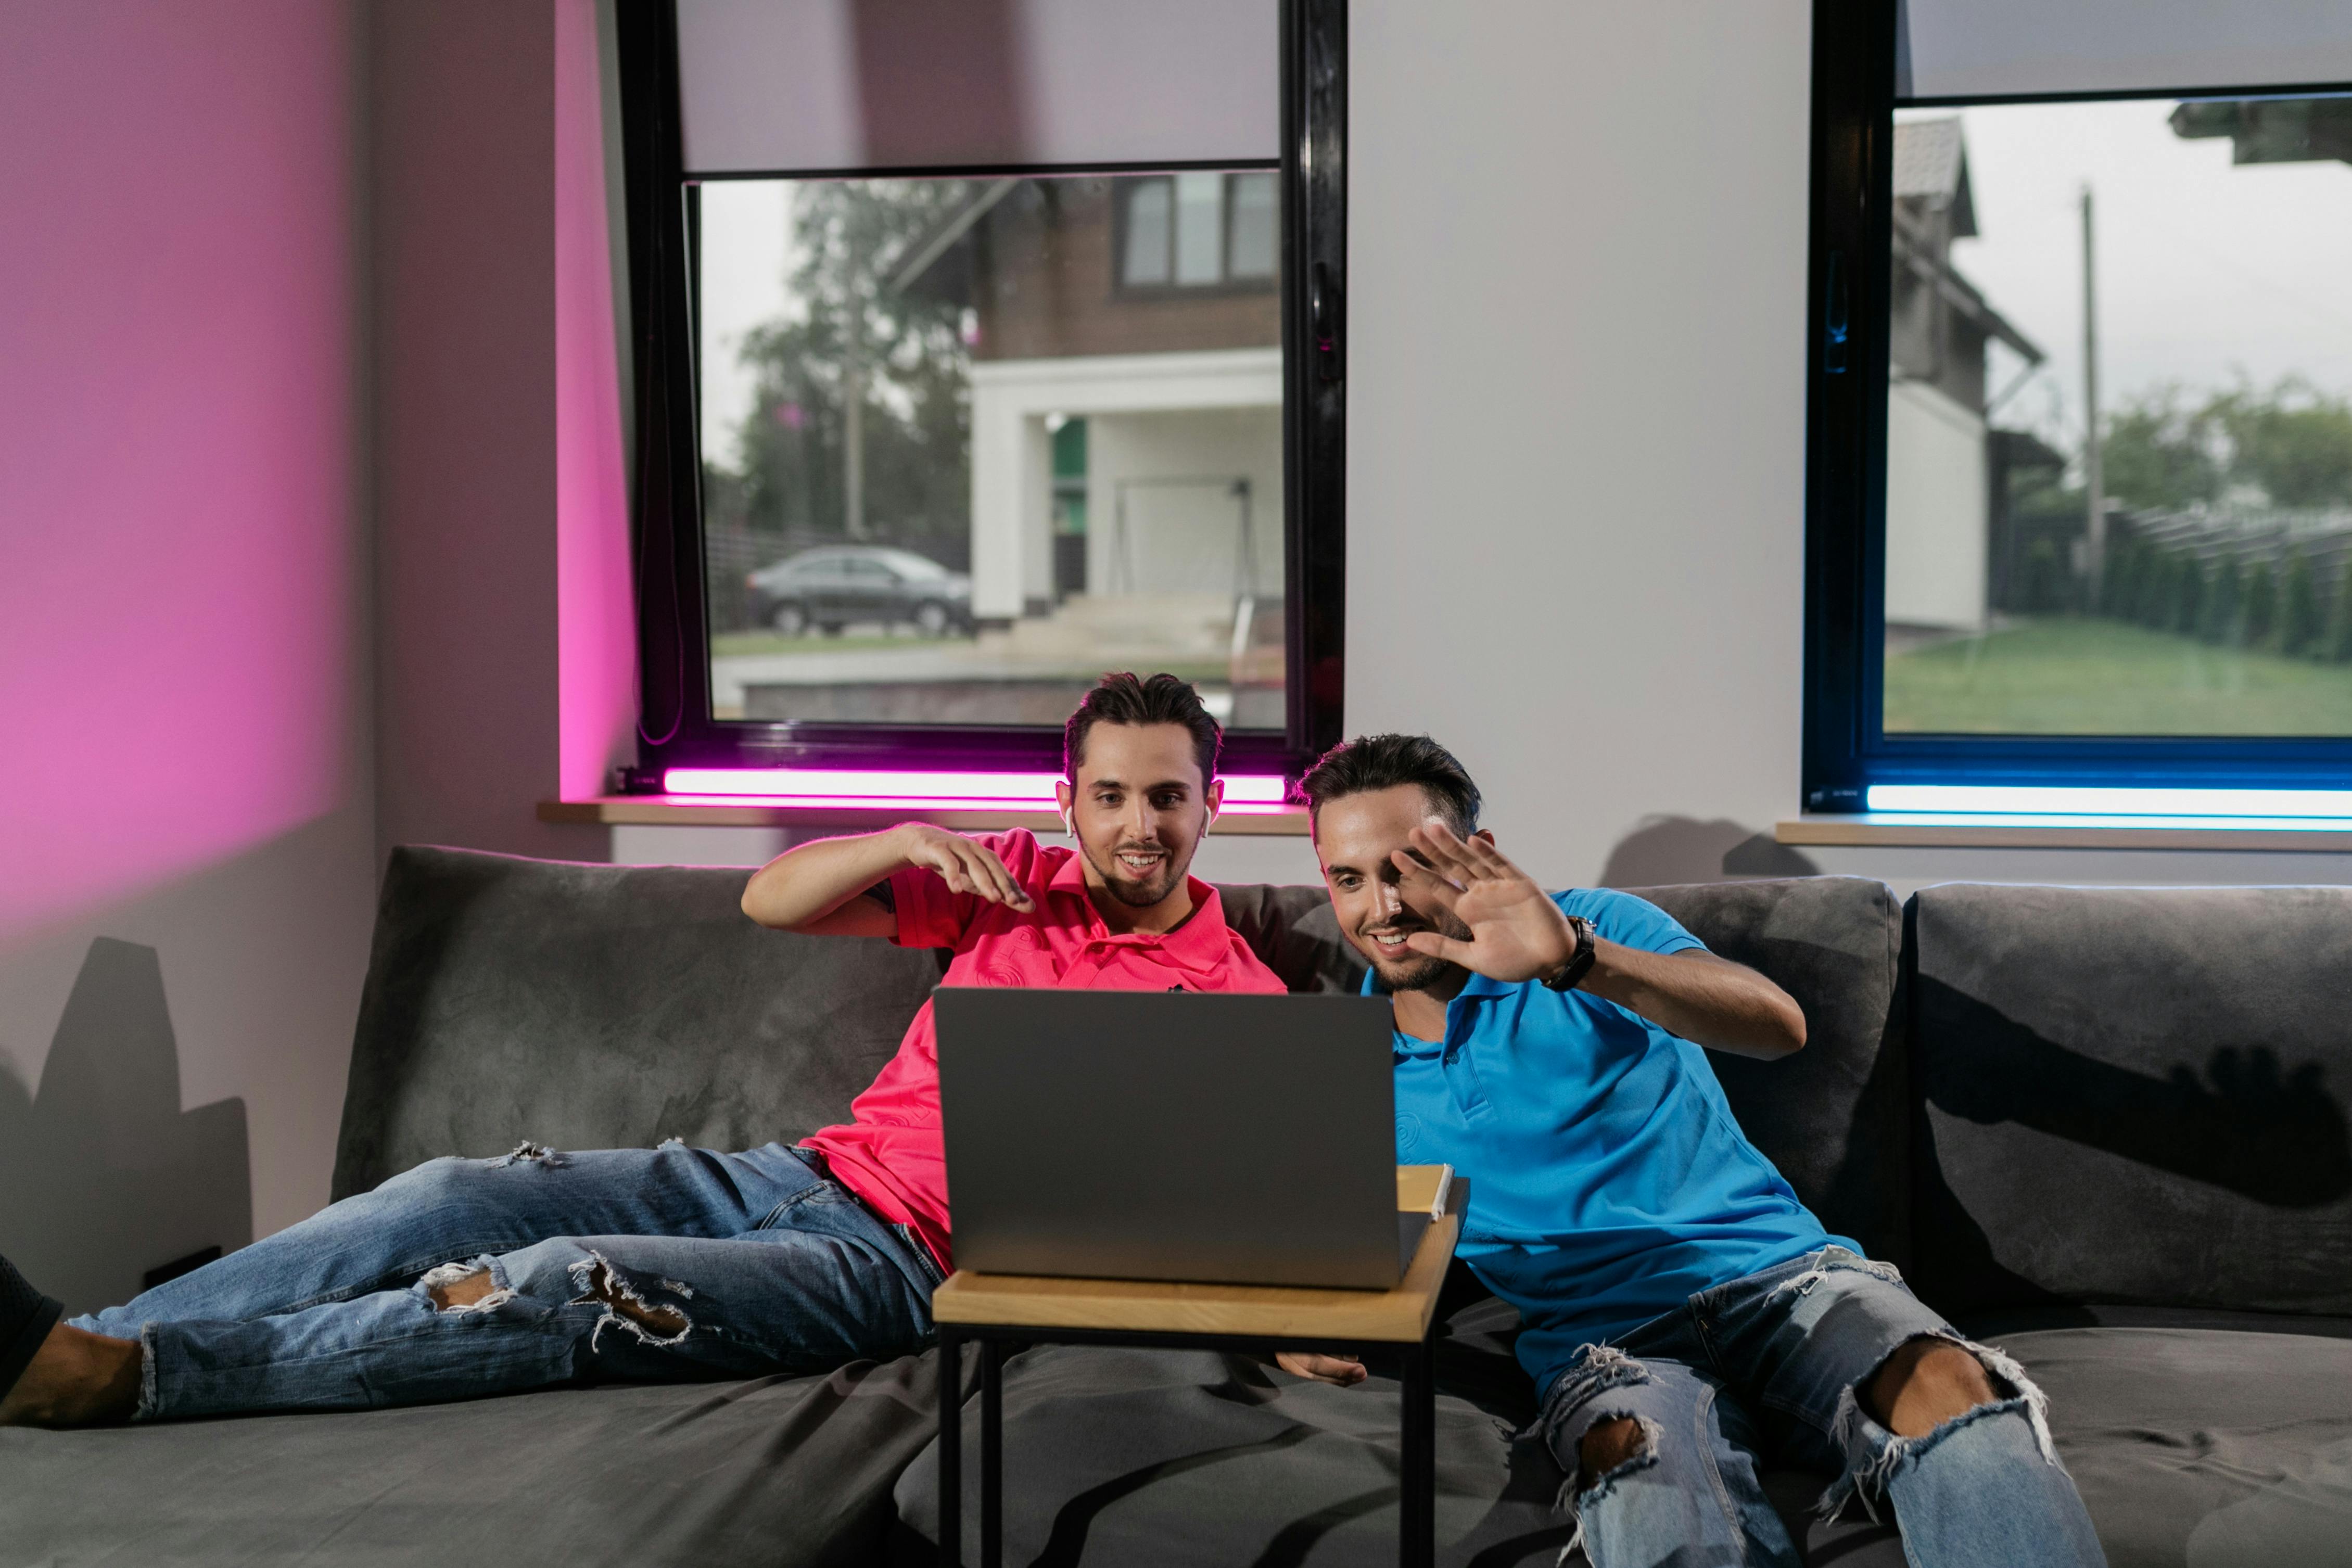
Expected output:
{"points": [[2014, 1394], [529, 1154], [1638, 1453], [446, 1288], [600, 1284]]}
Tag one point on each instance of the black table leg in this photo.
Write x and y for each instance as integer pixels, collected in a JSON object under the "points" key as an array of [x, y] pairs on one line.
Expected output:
{"points": [[950, 1449], [991, 1453], [1417, 1484]]}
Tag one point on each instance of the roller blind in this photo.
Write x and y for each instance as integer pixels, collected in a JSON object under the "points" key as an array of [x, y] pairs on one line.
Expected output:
{"points": [[1989, 48], [777, 85]]}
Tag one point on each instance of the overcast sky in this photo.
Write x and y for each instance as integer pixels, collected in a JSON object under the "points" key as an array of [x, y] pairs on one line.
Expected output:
{"points": [[747, 254], [2205, 267]]}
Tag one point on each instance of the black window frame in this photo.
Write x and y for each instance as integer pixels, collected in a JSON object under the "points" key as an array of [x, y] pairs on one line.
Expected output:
{"points": [[1845, 747], [675, 727]]}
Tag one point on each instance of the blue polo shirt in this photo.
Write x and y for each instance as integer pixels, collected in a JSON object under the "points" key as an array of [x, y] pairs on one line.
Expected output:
{"points": [[1607, 1180]]}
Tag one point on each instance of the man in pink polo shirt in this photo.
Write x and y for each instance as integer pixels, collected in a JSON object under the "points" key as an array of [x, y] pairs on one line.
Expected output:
{"points": [[1119, 912], [469, 1277]]}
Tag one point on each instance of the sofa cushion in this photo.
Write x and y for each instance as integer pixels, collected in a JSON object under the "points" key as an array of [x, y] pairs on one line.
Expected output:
{"points": [[775, 1472], [2133, 1095], [2203, 1447], [1134, 1458], [1832, 1116], [603, 1007]]}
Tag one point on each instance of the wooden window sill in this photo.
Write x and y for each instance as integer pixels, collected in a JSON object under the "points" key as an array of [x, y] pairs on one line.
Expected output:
{"points": [[671, 811], [1924, 831]]}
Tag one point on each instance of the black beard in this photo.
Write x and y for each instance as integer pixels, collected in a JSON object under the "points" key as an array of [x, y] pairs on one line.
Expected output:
{"points": [[1424, 970], [1135, 895], [1423, 975]]}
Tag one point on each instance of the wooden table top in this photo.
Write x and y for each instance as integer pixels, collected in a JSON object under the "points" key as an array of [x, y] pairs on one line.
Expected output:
{"points": [[1400, 1316]]}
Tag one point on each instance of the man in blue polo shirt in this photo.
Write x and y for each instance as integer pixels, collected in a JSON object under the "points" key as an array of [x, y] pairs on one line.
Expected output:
{"points": [[1685, 1314]]}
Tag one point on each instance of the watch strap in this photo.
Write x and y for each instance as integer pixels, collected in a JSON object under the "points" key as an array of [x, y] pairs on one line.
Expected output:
{"points": [[1568, 976]]}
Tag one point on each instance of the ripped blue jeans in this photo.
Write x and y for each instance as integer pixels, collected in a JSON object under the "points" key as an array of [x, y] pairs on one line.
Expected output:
{"points": [[1772, 1364], [657, 1265]]}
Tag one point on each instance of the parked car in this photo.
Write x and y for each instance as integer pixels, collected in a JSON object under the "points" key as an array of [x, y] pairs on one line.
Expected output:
{"points": [[833, 585]]}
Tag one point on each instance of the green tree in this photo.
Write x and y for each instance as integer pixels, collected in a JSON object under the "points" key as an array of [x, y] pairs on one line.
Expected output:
{"points": [[2044, 586], [2262, 605], [2188, 595], [2225, 603], [2153, 603], [2292, 443], [2338, 645], [2158, 453], [901, 349], [2295, 442], [2119, 585], [2300, 621]]}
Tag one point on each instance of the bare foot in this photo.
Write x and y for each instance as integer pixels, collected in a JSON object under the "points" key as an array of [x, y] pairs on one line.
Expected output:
{"points": [[76, 1379]]}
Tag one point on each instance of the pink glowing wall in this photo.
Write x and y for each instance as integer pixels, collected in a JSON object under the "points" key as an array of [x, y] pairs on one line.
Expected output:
{"points": [[186, 810], [177, 315], [501, 600]]}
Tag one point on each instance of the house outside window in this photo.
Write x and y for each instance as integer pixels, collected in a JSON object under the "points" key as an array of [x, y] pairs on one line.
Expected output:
{"points": [[972, 322]]}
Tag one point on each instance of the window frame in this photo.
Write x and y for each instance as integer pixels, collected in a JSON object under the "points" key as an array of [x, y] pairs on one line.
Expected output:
{"points": [[1845, 747], [674, 729]]}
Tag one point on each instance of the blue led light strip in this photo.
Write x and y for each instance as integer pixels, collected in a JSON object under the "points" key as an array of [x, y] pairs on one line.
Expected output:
{"points": [[2302, 808]]}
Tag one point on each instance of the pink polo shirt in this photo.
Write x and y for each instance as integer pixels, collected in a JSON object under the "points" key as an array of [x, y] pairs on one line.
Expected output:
{"points": [[889, 1152]]}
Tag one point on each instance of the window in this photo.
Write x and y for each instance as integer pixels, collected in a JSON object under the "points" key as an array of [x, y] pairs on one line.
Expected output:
{"points": [[965, 434], [2080, 489], [1198, 230]]}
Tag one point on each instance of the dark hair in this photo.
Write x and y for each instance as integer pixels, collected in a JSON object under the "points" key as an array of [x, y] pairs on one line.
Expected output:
{"points": [[1120, 698], [1372, 762]]}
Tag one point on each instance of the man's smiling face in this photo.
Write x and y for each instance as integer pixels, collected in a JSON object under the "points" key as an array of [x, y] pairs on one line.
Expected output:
{"points": [[1356, 837], [1139, 807]]}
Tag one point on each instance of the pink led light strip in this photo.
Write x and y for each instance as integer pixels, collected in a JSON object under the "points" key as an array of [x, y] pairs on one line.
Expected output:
{"points": [[1249, 793]]}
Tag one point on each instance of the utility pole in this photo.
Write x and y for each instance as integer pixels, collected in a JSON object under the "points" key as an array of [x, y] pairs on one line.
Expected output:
{"points": [[2094, 472], [853, 399]]}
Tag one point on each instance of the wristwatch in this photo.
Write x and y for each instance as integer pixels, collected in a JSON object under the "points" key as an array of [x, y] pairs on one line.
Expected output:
{"points": [[1579, 961]]}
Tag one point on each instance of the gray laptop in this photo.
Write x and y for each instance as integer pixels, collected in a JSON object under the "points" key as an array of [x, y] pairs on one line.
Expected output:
{"points": [[1170, 1135]]}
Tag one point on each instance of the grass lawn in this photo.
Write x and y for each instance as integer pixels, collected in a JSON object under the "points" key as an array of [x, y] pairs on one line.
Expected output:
{"points": [[2067, 676]]}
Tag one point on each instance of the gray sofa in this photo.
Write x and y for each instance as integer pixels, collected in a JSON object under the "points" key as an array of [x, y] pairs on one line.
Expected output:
{"points": [[2104, 1127]]}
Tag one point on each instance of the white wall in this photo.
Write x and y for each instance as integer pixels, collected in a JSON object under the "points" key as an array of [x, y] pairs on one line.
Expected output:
{"points": [[1576, 415], [1184, 538], [1935, 521]]}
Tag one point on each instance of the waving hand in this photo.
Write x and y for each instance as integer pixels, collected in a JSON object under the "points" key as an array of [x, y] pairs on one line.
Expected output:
{"points": [[1515, 933]]}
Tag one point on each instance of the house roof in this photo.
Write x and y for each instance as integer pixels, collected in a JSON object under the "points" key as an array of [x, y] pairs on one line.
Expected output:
{"points": [[2273, 131], [1931, 167], [939, 250]]}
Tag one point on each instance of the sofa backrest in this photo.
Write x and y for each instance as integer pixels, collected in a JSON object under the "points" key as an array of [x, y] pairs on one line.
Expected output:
{"points": [[603, 1007], [1834, 1116], [593, 1005], [2132, 1095]]}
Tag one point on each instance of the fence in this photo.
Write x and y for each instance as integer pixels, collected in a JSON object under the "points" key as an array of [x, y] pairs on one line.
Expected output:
{"points": [[2273, 580]]}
